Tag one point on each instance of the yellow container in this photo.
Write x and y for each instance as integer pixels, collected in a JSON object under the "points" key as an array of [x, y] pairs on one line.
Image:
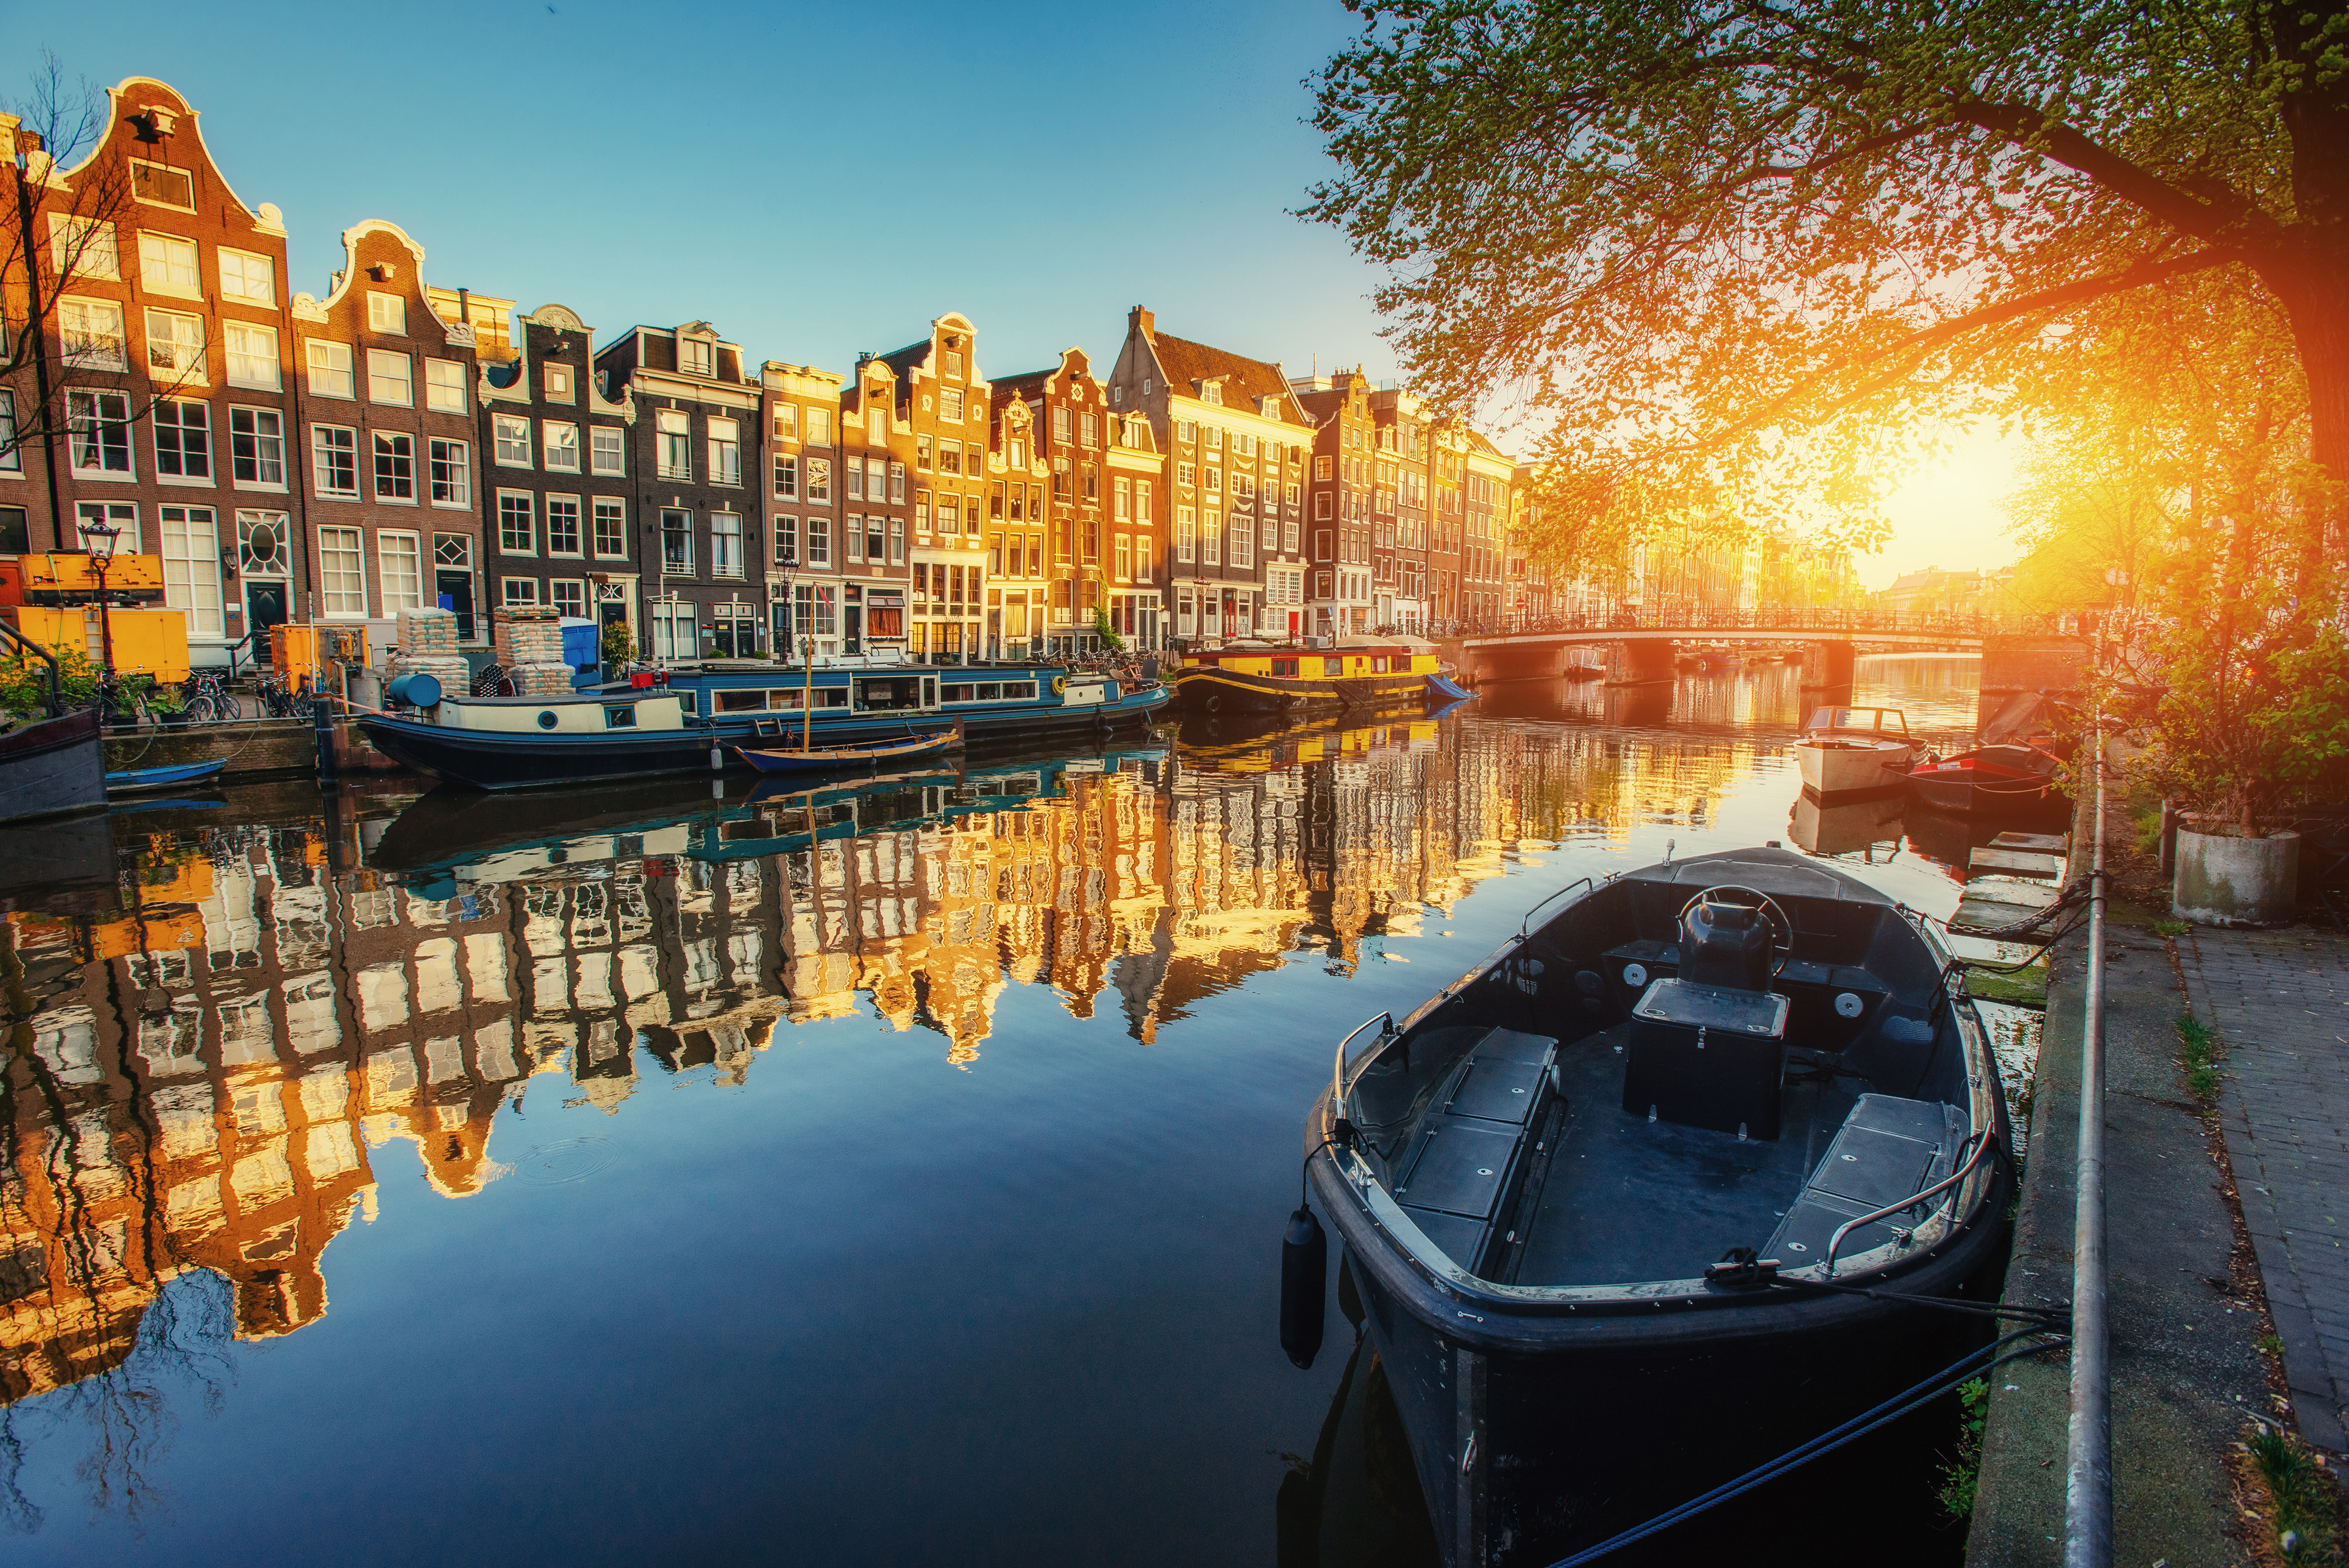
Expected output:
{"points": [[145, 642], [294, 650], [71, 576]]}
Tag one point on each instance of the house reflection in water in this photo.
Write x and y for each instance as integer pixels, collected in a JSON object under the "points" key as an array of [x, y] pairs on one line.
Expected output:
{"points": [[198, 1079]]}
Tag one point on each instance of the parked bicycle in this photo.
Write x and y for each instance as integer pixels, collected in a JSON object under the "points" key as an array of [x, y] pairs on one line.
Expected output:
{"points": [[209, 700], [278, 700]]}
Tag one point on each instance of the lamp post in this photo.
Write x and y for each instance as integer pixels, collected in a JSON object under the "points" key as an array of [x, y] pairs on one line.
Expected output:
{"points": [[100, 538]]}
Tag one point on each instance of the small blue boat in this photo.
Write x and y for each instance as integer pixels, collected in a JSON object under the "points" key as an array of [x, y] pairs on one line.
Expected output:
{"points": [[836, 758], [136, 780]]}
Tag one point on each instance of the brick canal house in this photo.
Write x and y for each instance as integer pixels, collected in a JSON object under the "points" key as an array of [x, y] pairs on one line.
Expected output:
{"points": [[1446, 521], [943, 404], [1083, 549], [803, 409], [1233, 439], [1406, 438], [1343, 488], [168, 362], [694, 461], [1485, 499], [387, 407], [878, 448], [560, 510]]}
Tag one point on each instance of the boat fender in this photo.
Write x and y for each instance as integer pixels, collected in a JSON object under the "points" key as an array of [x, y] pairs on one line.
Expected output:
{"points": [[1304, 1262]]}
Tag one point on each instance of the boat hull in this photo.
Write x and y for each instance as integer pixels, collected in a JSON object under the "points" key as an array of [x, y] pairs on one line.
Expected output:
{"points": [[503, 759], [1992, 779], [1852, 769], [1211, 690], [52, 768]]}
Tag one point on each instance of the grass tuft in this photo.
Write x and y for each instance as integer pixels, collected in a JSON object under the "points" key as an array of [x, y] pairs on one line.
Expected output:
{"points": [[2307, 1513], [2171, 927], [2199, 1049], [1960, 1477]]}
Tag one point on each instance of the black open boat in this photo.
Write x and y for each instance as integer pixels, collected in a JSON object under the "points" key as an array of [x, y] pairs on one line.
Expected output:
{"points": [[1547, 1177]]}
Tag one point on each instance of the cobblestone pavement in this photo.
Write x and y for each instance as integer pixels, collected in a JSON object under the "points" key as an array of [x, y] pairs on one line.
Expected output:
{"points": [[2280, 999]]}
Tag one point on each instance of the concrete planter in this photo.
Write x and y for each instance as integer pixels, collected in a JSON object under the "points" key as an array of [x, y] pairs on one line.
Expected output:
{"points": [[2224, 879]]}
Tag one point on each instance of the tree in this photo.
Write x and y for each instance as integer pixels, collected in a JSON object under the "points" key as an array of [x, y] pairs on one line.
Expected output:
{"points": [[1719, 241], [57, 234]]}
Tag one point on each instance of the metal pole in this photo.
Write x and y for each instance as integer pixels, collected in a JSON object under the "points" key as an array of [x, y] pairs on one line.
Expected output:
{"points": [[2088, 1486]]}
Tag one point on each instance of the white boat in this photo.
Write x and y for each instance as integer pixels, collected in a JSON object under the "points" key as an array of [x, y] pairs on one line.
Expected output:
{"points": [[1846, 750]]}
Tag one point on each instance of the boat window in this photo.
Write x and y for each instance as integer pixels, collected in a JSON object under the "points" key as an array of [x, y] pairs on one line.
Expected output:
{"points": [[1019, 691], [1333, 666], [546, 719], [619, 719], [685, 697], [1378, 663], [1284, 667], [741, 701], [957, 693], [791, 700], [888, 695]]}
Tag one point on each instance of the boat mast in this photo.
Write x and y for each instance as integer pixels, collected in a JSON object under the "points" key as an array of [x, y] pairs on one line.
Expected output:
{"points": [[807, 698]]}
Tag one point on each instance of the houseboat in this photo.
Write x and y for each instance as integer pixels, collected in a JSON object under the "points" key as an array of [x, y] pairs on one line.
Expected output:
{"points": [[691, 719], [1258, 677], [1707, 1143]]}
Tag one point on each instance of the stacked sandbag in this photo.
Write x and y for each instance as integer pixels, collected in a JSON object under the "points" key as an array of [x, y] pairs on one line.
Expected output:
{"points": [[528, 642], [428, 646]]}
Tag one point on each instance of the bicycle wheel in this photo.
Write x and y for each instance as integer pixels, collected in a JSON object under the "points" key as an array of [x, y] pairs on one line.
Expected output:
{"points": [[201, 709], [226, 704]]}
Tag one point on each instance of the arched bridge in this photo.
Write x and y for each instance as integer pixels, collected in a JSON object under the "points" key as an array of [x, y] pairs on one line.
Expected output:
{"points": [[2018, 652]]}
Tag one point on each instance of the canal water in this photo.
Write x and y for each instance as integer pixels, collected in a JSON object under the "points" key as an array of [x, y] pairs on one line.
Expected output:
{"points": [[889, 1174]]}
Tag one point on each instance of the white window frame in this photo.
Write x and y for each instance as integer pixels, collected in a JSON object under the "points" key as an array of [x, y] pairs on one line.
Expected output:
{"points": [[673, 444], [237, 269], [599, 508], [518, 503], [191, 566], [444, 385], [341, 545], [99, 413], [250, 351], [727, 526], [383, 450], [177, 346], [170, 264], [607, 451], [98, 250], [387, 544], [455, 458], [518, 591], [558, 445], [391, 379], [725, 450], [117, 514], [684, 567], [578, 526], [554, 597], [157, 424], [330, 368], [511, 432], [387, 313]]}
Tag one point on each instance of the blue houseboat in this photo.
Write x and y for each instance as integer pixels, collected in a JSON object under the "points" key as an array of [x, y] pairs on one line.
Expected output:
{"points": [[686, 719]]}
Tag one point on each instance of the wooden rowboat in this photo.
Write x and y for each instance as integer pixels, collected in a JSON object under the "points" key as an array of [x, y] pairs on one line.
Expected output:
{"points": [[840, 759], [132, 780]]}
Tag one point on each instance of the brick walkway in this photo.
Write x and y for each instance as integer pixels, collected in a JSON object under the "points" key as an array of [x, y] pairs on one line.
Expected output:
{"points": [[2281, 1001]]}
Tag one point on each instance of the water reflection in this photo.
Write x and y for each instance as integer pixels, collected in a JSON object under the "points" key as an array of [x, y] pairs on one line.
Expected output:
{"points": [[214, 1050]]}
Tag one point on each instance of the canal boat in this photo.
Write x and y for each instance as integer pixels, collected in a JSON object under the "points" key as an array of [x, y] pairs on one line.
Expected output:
{"points": [[138, 780], [687, 719], [2012, 771], [1617, 1167], [52, 766], [916, 744], [1846, 750], [1262, 677]]}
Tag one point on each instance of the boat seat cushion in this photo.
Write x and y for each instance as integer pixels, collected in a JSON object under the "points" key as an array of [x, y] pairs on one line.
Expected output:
{"points": [[1458, 1179], [1886, 1149]]}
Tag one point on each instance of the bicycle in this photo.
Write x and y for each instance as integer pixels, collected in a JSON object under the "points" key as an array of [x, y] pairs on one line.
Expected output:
{"points": [[209, 700], [278, 701]]}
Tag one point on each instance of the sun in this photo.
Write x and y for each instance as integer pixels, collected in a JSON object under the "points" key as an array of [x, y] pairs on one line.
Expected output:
{"points": [[1949, 511]]}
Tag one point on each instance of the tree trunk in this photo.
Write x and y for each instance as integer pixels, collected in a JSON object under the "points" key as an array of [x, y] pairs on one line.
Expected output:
{"points": [[2318, 307]]}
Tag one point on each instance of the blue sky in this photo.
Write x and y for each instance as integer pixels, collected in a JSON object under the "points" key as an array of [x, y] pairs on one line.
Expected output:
{"points": [[814, 179]]}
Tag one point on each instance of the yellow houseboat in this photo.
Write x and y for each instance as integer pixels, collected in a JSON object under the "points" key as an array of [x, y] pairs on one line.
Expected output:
{"points": [[1261, 679]]}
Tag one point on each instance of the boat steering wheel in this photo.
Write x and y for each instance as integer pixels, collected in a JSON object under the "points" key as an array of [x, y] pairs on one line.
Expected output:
{"points": [[1782, 930]]}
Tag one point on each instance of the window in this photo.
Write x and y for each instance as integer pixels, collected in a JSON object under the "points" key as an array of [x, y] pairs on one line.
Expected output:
{"points": [[611, 528], [252, 355], [787, 478], [334, 461], [555, 383], [570, 599], [391, 379], [1123, 557], [248, 277], [898, 481], [1092, 430], [83, 248], [517, 524], [163, 186], [673, 433], [954, 364], [175, 344], [562, 525], [1060, 484], [873, 542], [11, 459], [1211, 538], [330, 370], [604, 453], [394, 467], [1092, 482], [192, 567], [896, 541], [819, 427], [522, 592], [399, 566], [387, 313], [876, 480], [1185, 527], [819, 542], [183, 441], [819, 479], [787, 421], [677, 540], [1144, 565], [260, 544], [511, 432], [851, 539], [950, 406], [342, 573], [98, 427], [1321, 506], [876, 426], [1122, 504], [787, 541], [256, 446], [559, 446], [724, 545], [451, 472], [444, 385], [696, 355], [1243, 542], [725, 452], [92, 335], [853, 473], [121, 516], [1215, 481], [922, 454], [167, 265], [949, 457]]}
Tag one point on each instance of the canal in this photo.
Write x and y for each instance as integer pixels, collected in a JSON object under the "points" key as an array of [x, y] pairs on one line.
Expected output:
{"points": [[886, 1175]]}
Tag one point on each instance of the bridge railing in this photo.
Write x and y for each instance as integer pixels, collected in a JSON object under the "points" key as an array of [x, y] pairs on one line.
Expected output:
{"points": [[1797, 624]]}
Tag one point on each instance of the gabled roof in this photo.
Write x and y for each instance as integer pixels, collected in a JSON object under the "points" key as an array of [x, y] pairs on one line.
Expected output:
{"points": [[1187, 363], [903, 360]]}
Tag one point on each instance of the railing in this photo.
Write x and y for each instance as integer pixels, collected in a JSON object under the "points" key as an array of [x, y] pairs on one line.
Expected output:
{"points": [[1792, 622], [2088, 1478]]}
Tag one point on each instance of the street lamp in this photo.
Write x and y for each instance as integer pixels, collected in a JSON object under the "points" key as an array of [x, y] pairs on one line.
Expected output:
{"points": [[98, 539]]}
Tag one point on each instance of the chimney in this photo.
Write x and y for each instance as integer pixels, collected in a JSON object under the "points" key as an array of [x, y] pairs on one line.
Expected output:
{"points": [[1142, 321]]}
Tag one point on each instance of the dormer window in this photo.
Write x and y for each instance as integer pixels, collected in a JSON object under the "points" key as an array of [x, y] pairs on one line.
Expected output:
{"points": [[164, 186], [1211, 392], [696, 355]]}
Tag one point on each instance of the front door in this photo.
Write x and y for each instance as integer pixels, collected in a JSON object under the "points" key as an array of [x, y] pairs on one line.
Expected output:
{"points": [[852, 628], [456, 592], [264, 606]]}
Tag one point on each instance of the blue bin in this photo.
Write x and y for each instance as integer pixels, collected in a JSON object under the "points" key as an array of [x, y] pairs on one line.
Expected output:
{"points": [[416, 688]]}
